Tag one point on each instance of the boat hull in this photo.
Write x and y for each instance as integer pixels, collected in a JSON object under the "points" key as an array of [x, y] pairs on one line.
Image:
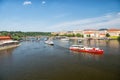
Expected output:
{"points": [[49, 42], [88, 51]]}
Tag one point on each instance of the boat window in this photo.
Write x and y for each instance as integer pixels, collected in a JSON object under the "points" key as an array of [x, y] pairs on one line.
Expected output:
{"points": [[81, 46], [78, 46]]}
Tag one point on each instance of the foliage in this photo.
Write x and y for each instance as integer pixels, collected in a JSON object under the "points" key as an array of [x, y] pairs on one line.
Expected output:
{"points": [[88, 35], [107, 35], [78, 35], [70, 35], [113, 37], [118, 38], [17, 35], [82, 36]]}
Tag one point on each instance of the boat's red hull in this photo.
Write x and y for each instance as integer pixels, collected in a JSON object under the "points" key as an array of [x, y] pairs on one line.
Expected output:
{"points": [[89, 51]]}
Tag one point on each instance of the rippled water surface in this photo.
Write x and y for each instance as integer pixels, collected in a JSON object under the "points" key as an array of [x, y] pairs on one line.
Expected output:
{"points": [[39, 61]]}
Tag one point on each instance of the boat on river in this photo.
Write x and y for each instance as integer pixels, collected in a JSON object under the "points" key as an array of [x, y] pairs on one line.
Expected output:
{"points": [[82, 48], [64, 39], [6, 42], [79, 40], [49, 42]]}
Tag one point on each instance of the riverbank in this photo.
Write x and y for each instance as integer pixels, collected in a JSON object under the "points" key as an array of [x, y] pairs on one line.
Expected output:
{"points": [[104, 38]]}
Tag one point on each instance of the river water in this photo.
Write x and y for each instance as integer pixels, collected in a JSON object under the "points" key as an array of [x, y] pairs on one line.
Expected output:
{"points": [[34, 60]]}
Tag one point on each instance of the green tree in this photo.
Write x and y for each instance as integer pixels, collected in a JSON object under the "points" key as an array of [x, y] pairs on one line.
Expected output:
{"points": [[107, 35], [71, 35], [78, 35], [17, 35], [4, 33], [118, 38], [88, 35], [82, 36]]}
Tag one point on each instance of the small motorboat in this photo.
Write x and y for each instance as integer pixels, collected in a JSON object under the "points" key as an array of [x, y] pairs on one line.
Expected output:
{"points": [[49, 42], [81, 48], [79, 40]]}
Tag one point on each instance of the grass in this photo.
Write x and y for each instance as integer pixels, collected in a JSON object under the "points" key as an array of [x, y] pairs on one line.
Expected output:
{"points": [[113, 37]]}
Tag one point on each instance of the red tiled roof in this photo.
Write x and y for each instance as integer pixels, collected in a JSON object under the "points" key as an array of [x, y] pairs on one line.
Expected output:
{"points": [[102, 34], [4, 37], [113, 29], [88, 32]]}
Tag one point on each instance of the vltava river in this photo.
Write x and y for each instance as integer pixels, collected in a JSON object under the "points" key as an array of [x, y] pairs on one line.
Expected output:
{"points": [[39, 61]]}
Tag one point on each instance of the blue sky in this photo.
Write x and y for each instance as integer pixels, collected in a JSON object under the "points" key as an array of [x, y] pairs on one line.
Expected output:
{"points": [[58, 15]]}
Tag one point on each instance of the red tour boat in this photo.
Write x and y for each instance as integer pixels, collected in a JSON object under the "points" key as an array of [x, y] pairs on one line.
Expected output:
{"points": [[81, 48]]}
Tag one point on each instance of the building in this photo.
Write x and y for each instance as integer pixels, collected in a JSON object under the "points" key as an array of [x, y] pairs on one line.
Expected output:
{"points": [[77, 32], [114, 32], [90, 33], [54, 33], [93, 33], [102, 33]]}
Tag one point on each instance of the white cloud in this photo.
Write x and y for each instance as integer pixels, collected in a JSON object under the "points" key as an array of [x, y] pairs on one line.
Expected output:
{"points": [[107, 21], [119, 13], [27, 3], [43, 2]]}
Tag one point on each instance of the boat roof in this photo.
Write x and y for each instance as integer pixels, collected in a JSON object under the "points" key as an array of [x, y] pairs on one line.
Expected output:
{"points": [[9, 41], [77, 45]]}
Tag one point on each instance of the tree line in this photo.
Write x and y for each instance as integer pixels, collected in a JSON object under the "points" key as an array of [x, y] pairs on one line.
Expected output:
{"points": [[17, 35], [82, 36]]}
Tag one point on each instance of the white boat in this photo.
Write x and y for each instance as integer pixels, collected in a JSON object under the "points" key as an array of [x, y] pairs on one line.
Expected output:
{"points": [[49, 42], [79, 40], [6, 44], [65, 39]]}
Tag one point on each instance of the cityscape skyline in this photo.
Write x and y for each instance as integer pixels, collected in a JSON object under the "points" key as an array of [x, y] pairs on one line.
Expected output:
{"points": [[58, 15]]}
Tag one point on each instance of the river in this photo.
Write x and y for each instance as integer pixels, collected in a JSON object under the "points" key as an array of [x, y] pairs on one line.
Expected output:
{"points": [[34, 60]]}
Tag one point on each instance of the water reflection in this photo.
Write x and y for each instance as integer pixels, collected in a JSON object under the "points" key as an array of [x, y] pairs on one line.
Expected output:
{"points": [[88, 55], [6, 57], [107, 43], [7, 52]]}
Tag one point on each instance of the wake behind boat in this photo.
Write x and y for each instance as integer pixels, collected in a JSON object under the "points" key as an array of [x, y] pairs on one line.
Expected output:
{"points": [[81, 48]]}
